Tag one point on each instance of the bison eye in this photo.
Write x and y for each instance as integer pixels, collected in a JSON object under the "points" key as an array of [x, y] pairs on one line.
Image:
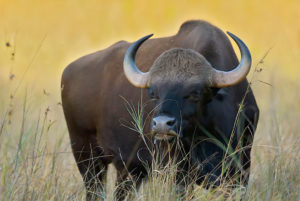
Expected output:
{"points": [[152, 94], [194, 97]]}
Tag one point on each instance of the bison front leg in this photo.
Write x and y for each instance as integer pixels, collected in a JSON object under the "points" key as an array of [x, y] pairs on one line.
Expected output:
{"points": [[123, 188], [89, 159], [184, 180], [93, 173], [126, 183]]}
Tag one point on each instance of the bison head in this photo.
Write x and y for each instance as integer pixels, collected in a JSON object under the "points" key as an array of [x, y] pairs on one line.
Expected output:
{"points": [[181, 82]]}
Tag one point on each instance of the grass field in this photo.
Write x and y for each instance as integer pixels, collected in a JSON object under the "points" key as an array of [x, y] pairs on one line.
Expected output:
{"points": [[37, 40]]}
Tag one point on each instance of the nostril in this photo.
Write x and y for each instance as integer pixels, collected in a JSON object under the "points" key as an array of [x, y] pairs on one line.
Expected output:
{"points": [[171, 122]]}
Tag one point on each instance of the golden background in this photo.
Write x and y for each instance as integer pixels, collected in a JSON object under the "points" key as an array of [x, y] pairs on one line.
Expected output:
{"points": [[45, 36], [68, 29]]}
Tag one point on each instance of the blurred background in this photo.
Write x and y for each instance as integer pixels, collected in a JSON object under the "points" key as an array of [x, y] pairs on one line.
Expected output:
{"points": [[39, 38], [45, 36], [54, 33]]}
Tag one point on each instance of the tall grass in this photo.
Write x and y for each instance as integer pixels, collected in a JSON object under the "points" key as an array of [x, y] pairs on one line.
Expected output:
{"points": [[33, 153]]}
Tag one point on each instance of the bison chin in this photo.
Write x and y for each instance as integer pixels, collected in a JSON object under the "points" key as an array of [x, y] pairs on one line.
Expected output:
{"points": [[165, 136]]}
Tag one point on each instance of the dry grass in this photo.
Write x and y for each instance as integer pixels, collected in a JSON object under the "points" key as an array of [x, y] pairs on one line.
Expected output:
{"points": [[36, 164], [38, 40]]}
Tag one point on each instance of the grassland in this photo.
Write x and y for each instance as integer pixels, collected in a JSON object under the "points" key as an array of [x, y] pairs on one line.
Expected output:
{"points": [[37, 40]]}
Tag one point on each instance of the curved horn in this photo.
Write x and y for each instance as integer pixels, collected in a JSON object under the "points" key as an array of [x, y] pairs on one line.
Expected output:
{"points": [[221, 79], [133, 74]]}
